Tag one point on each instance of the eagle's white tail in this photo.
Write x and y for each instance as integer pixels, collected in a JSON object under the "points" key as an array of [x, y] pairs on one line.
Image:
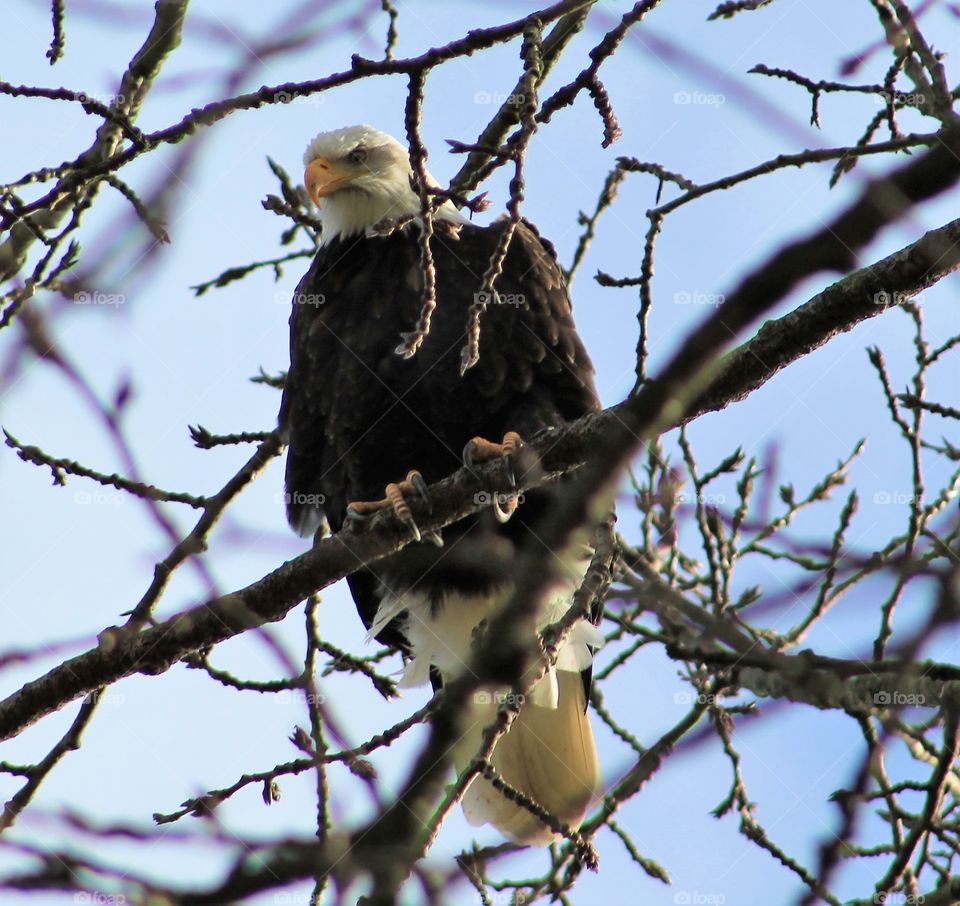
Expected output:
{"points": [[548, 755]]}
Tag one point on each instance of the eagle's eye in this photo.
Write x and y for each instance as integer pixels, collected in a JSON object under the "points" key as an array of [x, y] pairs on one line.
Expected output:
{"points": [[357, 155]]}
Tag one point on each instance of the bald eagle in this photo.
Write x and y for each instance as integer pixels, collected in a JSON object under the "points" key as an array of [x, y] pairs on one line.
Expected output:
{"points": [[358, 417]]}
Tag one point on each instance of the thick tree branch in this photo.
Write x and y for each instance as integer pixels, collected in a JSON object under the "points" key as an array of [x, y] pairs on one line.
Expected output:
{"points": [[864, 294]]}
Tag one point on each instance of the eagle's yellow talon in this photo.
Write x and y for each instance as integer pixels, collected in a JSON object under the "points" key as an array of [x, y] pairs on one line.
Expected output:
{"points": [[360, 511], [482, 450]]}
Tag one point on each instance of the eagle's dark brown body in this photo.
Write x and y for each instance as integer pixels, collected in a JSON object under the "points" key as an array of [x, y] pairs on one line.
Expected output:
{"points": [[356, 415]]}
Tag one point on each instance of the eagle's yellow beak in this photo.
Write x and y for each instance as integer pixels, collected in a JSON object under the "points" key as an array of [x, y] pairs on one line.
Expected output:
{"points": [[323, 177]]}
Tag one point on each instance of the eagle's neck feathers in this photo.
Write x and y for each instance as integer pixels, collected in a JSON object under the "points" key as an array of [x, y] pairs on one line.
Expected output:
{"points": [[351, 212]]}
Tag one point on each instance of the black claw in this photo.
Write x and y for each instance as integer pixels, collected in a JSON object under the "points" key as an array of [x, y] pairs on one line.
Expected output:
{"points": [[503, 514], [420, 486], [468, 455], [434, 537], [409, 522], [354, 518]]}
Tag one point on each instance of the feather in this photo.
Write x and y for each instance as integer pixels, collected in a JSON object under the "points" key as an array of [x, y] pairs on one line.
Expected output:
{"points": [[548, 754]]}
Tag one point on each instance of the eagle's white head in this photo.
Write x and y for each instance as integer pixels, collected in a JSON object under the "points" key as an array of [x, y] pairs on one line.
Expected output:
{"points": [[359, 176]]}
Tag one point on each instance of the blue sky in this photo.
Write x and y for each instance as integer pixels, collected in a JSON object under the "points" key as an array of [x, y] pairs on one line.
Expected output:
{"points": [[75, 562]]}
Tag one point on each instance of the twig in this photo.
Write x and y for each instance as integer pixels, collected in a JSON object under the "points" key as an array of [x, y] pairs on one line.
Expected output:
{"points": [[60, 466], [37, 773], [56, 45]]}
